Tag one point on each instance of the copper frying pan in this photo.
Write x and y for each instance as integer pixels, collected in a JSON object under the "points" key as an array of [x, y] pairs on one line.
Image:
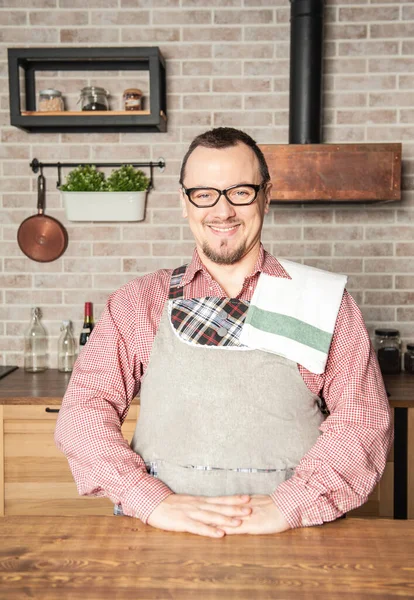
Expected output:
{"points": [[42, 238]]}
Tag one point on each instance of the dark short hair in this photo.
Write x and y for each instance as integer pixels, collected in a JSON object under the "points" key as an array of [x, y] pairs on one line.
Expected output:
{"points": [[224, 137]]}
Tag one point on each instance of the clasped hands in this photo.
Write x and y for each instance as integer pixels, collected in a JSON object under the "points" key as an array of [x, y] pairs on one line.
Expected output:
{"points": [[219, 515]]}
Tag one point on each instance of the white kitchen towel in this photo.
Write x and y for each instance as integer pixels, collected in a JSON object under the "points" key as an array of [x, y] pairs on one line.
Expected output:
{"points": [[295, 318]]}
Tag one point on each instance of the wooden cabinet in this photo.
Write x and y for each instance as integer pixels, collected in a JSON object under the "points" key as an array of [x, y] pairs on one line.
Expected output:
{"points": [[381, 502], [38, 481], [35, 477]]}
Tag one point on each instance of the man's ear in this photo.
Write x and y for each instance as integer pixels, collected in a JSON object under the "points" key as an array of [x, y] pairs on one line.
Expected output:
{"points": [[183, 203], [268, 195]]}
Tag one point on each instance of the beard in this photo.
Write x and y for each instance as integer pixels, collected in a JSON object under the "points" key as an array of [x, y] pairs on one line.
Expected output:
{"points": [[224, 256]]}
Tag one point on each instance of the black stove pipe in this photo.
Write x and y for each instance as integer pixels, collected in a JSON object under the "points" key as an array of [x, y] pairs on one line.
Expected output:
{"points": [[305, 101]]}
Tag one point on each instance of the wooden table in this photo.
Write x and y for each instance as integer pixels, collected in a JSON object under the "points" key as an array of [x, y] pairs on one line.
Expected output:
{"points": [[98, 558]]}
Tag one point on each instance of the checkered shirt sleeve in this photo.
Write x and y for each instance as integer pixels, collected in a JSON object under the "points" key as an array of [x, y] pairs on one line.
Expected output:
{"points": [[347, 461], [105, 379]]}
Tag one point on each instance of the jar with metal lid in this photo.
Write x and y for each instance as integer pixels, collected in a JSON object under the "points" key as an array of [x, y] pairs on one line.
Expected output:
{"points": [[50, 101], [94, 98], [388, 348], [409, 359], [132, 99]]}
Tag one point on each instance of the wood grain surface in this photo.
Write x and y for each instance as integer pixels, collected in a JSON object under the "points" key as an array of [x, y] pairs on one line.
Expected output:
{"points": [[334, 172], [26, 388], [401, 389], [83, 113], [34, 475], [99, 558], [89, 113]]}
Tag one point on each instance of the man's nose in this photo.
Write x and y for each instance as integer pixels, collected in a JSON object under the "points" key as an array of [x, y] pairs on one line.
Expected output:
{"points": [[223, 208]]}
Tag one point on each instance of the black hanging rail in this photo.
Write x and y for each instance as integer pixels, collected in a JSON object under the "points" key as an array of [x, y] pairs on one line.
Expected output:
{"points": [[36, 165]]}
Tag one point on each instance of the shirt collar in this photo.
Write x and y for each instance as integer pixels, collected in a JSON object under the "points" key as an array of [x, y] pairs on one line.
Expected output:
{"points": [[265, 263]]}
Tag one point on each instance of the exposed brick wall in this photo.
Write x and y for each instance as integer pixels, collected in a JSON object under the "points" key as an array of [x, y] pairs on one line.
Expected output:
{"points": [[227, 65]]}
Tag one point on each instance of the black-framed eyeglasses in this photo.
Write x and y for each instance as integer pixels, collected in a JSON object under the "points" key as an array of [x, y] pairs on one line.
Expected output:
{"points": [[237, 195]]}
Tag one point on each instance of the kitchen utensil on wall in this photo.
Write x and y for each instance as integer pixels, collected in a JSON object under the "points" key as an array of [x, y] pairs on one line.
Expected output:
{"points": [[40, 237]]}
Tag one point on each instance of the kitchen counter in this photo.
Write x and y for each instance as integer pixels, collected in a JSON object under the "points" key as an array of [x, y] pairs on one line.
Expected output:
{"points": [[120, 557], [47, 387], [20, 387]]}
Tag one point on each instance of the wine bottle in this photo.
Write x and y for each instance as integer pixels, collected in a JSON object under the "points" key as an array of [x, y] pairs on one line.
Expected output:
{"points": [[87, 325]]}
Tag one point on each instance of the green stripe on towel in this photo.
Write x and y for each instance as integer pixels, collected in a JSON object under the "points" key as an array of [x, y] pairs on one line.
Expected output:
{"points": [[289, 327]]}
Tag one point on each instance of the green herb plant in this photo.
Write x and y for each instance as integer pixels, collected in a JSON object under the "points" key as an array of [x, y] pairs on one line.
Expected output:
{"points": [[86, 178], [127, 179]]}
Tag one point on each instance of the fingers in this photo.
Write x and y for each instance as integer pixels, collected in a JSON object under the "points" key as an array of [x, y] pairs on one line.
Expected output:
{"points": [[234, 530], [229, 511], [214, 518], [237, 499], [205, 530], [201, 515]]}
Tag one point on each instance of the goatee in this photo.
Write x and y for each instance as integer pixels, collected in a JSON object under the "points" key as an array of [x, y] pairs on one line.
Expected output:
{"points": [[224, 256]]}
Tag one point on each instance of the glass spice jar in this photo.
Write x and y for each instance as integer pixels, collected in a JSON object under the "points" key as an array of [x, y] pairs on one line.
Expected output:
{"points": [[50, 101], [94, 98], [409, 359], [132, 99], [388, 348]]}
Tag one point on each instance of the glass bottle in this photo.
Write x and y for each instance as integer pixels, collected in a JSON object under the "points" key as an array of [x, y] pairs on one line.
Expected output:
{"points": [[88, 325], [388, 347], [409, 359], [66, 348], [35, 345]]}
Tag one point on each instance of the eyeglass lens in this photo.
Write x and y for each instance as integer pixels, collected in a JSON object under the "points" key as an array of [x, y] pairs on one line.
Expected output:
{"points": [[242, 194]]}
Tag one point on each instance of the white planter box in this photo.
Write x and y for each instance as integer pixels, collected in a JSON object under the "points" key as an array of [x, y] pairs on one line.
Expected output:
{"points": [[104, 206]]}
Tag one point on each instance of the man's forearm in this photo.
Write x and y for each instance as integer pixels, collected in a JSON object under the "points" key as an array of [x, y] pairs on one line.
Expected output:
{"points": [[101, 460], [335, 476]]}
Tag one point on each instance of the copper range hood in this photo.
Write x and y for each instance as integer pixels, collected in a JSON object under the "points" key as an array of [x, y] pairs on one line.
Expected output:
{"points": [[306, 170]]}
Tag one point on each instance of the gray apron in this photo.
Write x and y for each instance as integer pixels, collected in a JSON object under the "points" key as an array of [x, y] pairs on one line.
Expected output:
{"points": [[220, 419]]}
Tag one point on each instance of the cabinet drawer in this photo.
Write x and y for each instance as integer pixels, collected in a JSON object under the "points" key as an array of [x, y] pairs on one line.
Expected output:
{"points": [[380, 501], [51, 499], [47, 412], [37, 477]]}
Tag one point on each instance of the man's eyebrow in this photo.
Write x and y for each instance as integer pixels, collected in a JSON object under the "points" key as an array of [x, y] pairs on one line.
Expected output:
{"points": [[217, 188]]}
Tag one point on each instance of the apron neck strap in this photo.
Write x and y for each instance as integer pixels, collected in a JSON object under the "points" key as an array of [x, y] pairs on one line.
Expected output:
{"points": [[176, 289]]}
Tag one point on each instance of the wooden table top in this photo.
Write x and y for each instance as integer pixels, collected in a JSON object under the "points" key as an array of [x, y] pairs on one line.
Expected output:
{"points": [[88, 558], [49, 388]]}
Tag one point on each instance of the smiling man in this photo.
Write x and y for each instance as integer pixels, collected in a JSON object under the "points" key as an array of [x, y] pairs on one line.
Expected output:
{"points": [[231, 355]]}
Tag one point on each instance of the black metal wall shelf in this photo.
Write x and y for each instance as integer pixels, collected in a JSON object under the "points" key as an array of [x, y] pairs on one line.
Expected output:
{"points": [[31, 60]]}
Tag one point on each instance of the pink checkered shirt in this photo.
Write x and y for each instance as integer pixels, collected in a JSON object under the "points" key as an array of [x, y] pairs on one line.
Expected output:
{"points": [[336, 475]]}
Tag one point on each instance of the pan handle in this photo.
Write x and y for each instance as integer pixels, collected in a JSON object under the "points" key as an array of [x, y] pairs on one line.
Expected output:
{"points": [[41, 184]]}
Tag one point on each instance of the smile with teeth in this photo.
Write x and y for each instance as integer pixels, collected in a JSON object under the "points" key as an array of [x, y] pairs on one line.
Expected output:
{"points": [[223, 228]]}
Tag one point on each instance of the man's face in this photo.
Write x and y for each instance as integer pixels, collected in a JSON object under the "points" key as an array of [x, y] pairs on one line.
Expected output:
{"points": [[225, 233]]}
